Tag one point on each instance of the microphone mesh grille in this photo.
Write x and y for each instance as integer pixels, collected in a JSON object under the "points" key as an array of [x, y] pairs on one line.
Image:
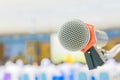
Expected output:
{"points": [[74, 35]]}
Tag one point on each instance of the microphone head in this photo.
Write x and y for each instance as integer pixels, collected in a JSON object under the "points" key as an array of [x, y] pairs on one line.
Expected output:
{"points": [[74, 35]]}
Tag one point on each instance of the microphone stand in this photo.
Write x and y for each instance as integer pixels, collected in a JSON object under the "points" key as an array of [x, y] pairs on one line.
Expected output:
{"points": [[97, 57], [113, 52]]}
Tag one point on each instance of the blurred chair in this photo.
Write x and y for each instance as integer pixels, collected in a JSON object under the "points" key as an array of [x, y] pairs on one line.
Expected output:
{"points": [[7, 76], [36, 77], [82, 76], [25, 77], [43, 76], [62, 77], [104, 76], [58, 77], [71, 75], [93, 77], [55, 77]]}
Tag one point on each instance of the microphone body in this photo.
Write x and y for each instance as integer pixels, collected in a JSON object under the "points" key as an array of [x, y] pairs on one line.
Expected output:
{"points": [[76, 35]]}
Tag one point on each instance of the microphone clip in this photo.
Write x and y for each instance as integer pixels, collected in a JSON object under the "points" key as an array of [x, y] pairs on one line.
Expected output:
{"points": [[95, 57]]}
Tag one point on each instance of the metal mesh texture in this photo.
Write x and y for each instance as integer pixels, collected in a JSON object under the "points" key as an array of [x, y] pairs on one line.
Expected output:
{"points": [[74, 35]]}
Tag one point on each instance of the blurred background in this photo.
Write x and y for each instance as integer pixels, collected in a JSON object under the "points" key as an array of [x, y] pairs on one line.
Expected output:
{"points": [[29, 46]]}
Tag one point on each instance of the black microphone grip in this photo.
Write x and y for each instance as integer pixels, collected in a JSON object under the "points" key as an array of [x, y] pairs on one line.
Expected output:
{"points": [[93, 58]]}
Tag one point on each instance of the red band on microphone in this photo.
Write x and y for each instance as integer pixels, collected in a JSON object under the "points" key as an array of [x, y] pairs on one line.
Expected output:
{"points": [[93, 40]]}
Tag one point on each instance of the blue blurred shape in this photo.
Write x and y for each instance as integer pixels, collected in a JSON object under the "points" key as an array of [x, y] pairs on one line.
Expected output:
{"points": [[36, 77], [7, 76], [58, 77], [43, 76], [25, 77], [55, 77], [113, 33], [62, 77], [93, 77], [82, 76], [20, 77], [104, 76], [71, 76]]}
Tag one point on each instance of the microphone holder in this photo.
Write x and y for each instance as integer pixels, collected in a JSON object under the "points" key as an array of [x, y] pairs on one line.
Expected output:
{"points": [[94, 58]]}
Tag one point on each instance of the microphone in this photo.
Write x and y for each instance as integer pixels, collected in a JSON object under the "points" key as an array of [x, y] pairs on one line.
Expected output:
{"points": [[76, 35]]}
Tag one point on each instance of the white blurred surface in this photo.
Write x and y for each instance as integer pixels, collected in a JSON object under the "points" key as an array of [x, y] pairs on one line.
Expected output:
{"points": [[111, 68], [44, 15]]}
